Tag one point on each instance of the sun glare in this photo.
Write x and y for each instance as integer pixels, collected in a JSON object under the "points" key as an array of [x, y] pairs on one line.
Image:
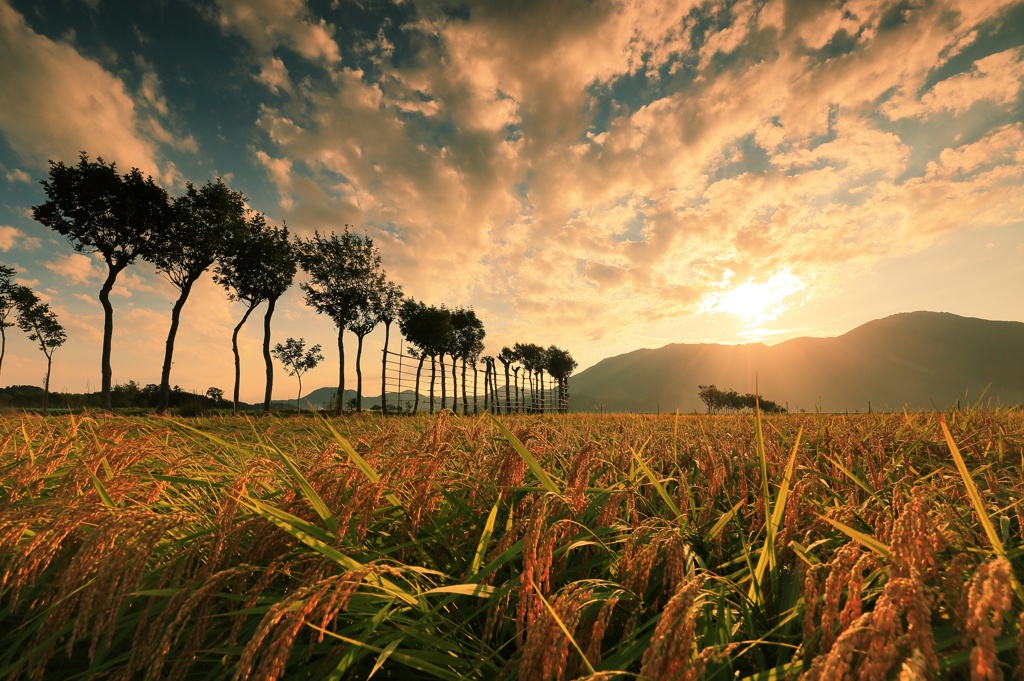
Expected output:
{"points": [[755, 303]]}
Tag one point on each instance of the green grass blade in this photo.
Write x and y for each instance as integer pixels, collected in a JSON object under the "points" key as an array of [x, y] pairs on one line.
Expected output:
{"points": [[407, 659], [384, 655], [865, 540], [973, 493], [766, 561], [979, 506], [285, 522], [538, 471], [107, 501], [659, 488], [309, 493], [717, 528], [361, 463], [485, 538], [565, 630]]}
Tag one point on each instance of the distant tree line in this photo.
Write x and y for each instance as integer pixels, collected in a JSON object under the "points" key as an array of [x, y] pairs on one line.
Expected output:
{"points": [[436, 332], [124, 396], [730, 401], [127, 217]]}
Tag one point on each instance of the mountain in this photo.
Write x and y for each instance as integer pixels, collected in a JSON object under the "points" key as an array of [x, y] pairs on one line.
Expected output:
{"points": [[321, 398], [916, 359]]}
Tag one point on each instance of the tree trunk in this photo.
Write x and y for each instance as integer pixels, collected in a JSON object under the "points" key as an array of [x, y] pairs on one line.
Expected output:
{"points": [[108, 333], [508, 392], [475, 402], [465, 400], [384, 371], [165, 375], [433, 374], [238, 362], [455, 385], [494, 379], [298, 399], [359, 373], [3, 344], [487, 385], [515, 382], [46, 384], [271, 304], [540, 381], [444, 397], [339, 408], [419, 370]]}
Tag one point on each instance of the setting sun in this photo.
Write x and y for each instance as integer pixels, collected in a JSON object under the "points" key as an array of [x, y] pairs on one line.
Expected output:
{"points": [[755, 303]]}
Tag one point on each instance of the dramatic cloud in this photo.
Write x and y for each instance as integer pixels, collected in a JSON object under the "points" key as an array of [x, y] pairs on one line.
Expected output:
{"points": [[54, 102], [575, 170], [76, 269], [12, 237], [17, 175]]}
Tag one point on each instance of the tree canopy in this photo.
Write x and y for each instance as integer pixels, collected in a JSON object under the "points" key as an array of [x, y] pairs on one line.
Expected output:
{"points": [[100, 211], [203, 222]]}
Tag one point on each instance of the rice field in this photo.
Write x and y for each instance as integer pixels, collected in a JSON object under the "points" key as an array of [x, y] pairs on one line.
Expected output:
{"points": [[797, 546]]}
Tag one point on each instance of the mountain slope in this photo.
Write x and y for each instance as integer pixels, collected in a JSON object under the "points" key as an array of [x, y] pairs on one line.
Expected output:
{"points": [[917, 359]]}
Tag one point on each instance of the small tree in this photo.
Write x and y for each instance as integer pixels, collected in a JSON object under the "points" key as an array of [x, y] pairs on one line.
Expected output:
{"points": [[297, 361], [40, 323], [8, 302], [215, 394], [507, 356]]}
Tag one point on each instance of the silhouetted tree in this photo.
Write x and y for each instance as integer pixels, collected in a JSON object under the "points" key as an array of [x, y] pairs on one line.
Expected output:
{"points": [[390, 303], [488, 397], [366, 320], [8, 302], [532, 358], [40, 323], [439, 333], [258, 264], [297, 360], [102, 212], [413, 322], [467, 344], [202, 222], [506, 357], [339, 267], [515, 380], [560, 365], [280, 265]]}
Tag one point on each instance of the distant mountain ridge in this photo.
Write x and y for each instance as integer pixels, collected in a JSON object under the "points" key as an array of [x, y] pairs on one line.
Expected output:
{"points": [[916, 359]]}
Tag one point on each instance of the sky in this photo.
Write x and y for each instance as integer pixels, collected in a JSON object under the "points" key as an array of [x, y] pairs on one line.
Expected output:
{"points": [[598, 175]]}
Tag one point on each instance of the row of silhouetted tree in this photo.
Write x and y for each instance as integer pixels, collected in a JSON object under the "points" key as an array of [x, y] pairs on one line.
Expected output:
{"points": [[127, 217]]}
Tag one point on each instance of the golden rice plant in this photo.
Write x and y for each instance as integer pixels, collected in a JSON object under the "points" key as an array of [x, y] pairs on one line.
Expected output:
{"points": [[512, 547]]}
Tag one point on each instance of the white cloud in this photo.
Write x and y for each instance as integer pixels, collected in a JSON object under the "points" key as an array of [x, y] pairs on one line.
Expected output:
{"points": [[268, 24], [996, 78], [75, 268], [18, 175], [11, 237], [54, 102], [274, 75]]}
